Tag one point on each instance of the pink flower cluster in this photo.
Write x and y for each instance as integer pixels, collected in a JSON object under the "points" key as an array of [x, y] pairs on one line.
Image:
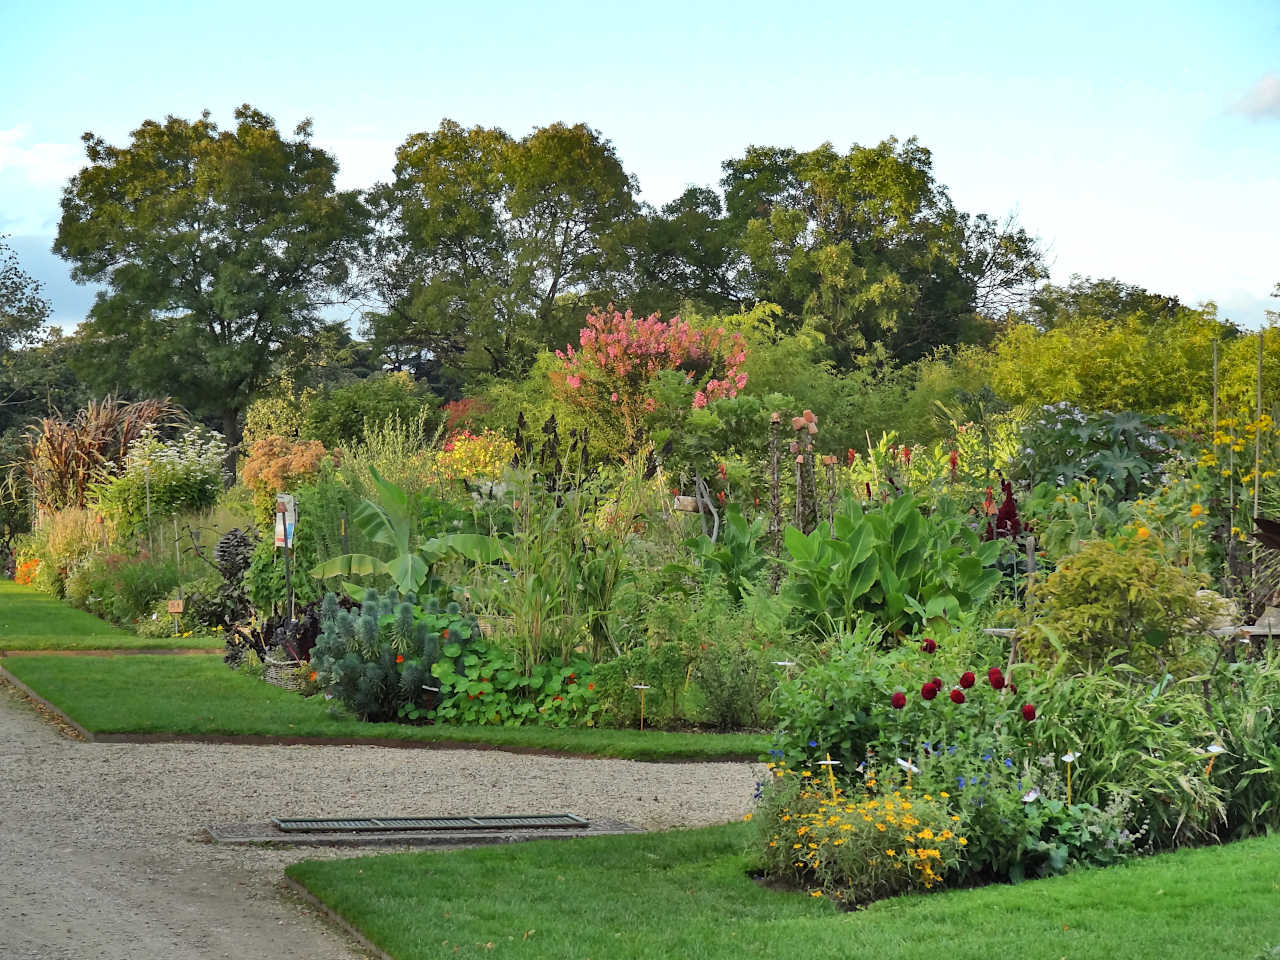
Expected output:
{"points": [[620, 354]]}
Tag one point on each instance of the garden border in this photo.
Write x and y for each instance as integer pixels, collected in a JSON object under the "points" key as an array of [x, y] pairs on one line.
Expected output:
{"points": [[267, 740]]}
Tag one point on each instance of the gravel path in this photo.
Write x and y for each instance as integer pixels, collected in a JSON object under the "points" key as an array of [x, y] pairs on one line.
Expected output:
{"points": [[101, 855]]}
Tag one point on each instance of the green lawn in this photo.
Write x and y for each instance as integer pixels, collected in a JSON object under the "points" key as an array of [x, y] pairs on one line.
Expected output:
{"points": [[31, 620], [194, 694], [686, 894]]}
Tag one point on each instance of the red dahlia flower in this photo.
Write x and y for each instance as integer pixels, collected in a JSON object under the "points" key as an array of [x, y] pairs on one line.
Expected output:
{"points": [[1028, 712], [967, 679], [929, 645], [928, 691], [937, 683], [995, 678], [899, 700], [957, 695]]}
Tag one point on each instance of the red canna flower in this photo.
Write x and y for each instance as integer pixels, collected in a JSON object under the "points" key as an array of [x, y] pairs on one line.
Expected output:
{"points": [[928, 691], [851, 456], [955, 462], [957, 695], [1028, 712], [399, 658], [967, 679], [899, 700], [445, 634], [929, 645], [995, 678], [591, 685]]}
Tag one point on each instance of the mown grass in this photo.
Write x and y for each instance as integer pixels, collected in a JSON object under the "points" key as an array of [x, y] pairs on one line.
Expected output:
{"points": [[199, 695], [31, 620], [686, 894]]}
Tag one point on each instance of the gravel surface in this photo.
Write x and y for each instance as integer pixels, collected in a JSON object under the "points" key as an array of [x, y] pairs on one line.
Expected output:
{"points": [[102, 856]]}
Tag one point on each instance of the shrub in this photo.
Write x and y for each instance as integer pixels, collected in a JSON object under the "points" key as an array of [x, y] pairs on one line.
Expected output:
{"points": [[61, 542], [466, 456], [160, 478], [619, 356], [122, 588], [337, 416], [729, 678], [278, 465], [874, 842], [380, 657], [1121, 601]]}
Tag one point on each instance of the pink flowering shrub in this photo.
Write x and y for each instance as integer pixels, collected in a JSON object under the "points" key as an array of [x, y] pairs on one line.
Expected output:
{"points": [[620, 356]]}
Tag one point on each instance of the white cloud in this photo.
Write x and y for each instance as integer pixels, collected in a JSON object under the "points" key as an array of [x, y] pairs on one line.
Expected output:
{"points": [[1262, 102], [38, 164]]}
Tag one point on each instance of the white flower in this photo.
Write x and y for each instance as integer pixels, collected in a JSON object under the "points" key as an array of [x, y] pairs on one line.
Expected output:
{"points": [[1031, 795], [1070, 757]]}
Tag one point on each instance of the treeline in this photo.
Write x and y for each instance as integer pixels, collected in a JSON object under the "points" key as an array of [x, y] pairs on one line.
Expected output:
{"points": [[225, 256]]}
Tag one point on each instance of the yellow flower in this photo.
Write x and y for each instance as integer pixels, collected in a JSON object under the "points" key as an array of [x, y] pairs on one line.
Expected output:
{"points": [[1196, 509], [963, 842], [746, 818], [943, 794], [892, 853], [815, 893], [1143, 533]]}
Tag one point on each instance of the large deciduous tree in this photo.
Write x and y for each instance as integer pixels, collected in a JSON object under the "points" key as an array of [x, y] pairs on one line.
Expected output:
{"points": [[869, 247], [217, 249], [490, 244]]}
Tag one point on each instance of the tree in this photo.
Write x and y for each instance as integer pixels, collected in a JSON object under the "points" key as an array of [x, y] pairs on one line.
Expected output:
{"points": [[488, 242], [685, 253], [869, 247], [217, 249], [24, 311]]}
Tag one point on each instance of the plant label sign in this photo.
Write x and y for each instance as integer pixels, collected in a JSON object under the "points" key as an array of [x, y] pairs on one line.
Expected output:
{"points": [[175, 606], [286, 519]]}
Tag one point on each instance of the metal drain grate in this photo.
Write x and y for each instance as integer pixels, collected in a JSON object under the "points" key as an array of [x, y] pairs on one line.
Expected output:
{"points": [[370, 824]]}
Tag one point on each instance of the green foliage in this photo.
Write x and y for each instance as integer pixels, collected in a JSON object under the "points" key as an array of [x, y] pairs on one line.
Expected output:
{"points": [[1121, 602], [391, 523], [1245, 708], [1102, 346], [487, 235], [215, 247], [264, 581], [662, 668], [731, 682], [120, 588], [490, 688], [737, 558], [1123, 450], [870, 247], [891, 562], [336, 416], [379, 657], [162, 478]]}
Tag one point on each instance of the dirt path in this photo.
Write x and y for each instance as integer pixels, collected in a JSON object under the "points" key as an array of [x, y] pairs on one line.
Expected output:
{"points": [[100, 844]]}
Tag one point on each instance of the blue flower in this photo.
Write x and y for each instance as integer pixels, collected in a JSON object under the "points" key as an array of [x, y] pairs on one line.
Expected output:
{"points": [[951, 749], [986, 757], [759, 791], [1008, 761], [960, 782], [813, 743]]}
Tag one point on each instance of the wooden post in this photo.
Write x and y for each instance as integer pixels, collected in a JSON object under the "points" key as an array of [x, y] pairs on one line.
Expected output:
{"points": [[775, 498], [1257, 469]]}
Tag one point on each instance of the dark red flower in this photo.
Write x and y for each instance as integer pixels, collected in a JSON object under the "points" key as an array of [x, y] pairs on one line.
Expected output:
{"points": [[928, 691], [899, 700], [1028, 712], [957, 695], [1013, 688], [929, 645], [937, 683], [996, 678], [967, 679]]}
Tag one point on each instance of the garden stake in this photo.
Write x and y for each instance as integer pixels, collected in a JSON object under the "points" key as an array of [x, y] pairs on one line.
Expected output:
{"points": [[831, 774], [1069, 758], [642, 688]]}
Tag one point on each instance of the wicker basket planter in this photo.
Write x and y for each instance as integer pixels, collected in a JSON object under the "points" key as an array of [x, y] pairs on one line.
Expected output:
{"points": [[286, 674]]}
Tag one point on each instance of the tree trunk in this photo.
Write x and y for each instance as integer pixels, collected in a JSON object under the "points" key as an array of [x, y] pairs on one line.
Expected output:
{"points": [[233, 434]]}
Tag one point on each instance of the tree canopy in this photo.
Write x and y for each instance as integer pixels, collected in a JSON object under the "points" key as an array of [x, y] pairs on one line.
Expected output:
{"points": [[216, 248], [487, 243]]}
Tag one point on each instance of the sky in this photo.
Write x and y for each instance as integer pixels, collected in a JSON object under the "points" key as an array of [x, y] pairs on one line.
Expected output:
{"points": [[1139, 141]]}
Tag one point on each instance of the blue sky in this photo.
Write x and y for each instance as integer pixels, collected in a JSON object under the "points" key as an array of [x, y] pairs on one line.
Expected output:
{"points": [[1137, 140]]}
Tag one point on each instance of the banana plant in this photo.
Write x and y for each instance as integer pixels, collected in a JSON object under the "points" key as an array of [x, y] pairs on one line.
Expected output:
{"points": [[391, 522]]}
